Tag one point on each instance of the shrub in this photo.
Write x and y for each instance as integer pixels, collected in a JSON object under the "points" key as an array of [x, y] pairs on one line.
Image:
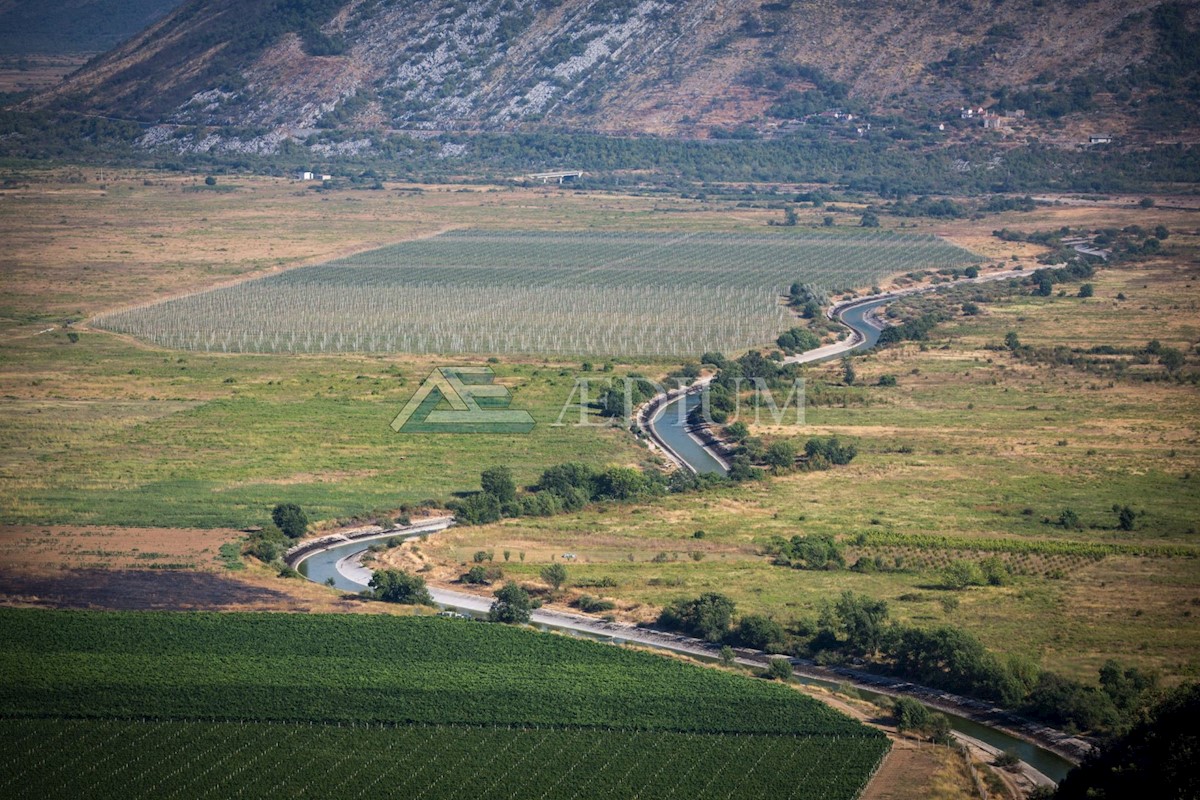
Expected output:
{"points": [[397, 586], [757, 632], [910, 715], [290, 519], [780, 670], [512, 605]]}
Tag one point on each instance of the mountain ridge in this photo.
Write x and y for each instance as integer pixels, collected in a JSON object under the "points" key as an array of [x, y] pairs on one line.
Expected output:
{"points": [[679, 68]]}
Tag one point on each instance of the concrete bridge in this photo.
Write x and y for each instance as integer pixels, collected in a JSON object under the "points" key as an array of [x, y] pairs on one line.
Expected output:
{"points": [[546, 177]]}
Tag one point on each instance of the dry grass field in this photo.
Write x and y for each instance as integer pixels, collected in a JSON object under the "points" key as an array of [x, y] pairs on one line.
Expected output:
{"points": [[971, 443]]}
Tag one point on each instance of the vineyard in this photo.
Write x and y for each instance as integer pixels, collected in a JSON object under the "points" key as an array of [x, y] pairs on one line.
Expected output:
{"points": [[136, 759], [159, 704], [649, 294]]}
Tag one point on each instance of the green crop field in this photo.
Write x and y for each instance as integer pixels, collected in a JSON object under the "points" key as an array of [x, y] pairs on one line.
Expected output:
{"points": [[158, 704], [613, 293], [134, 759]]}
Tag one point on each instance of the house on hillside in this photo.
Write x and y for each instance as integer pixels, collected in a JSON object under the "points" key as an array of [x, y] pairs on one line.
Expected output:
{"points": [[1100, 138]]}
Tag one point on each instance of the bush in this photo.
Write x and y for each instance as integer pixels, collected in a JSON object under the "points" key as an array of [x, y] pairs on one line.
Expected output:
{"points": [[476, 576], [499, 483], [780, 670], [708, 616], [831, 450], [512, 605], [813, 551], [555, 575], [910, 715], [757, 632], [478, 509], [961, 573], [268, 544], [397, 586], [797, 340], [594, 605], [290, 519]]}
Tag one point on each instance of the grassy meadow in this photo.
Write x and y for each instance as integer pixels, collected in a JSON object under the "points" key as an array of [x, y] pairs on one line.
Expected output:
{"points": [[972, 446]]}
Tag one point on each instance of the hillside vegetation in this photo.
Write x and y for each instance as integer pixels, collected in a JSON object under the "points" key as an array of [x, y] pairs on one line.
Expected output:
{"points": [[687, 67]]}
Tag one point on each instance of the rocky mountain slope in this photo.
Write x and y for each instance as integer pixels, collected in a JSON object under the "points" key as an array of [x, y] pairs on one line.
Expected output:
{"points": [[279, 68]]}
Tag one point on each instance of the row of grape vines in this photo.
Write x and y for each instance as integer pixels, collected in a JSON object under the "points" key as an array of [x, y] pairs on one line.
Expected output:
{"points": [[348, 667], [112, 758]]}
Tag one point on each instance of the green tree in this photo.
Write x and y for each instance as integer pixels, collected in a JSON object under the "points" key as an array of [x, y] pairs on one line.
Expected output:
{"points": [[813, 551], [210, 181], [476, 576], [995, 571], [971, 272], [1087, 290], [938, 728], [863, 620], [708, 616], [397, 586], [268, 544], [1011, 341], [737, 432], [758, 632], [478, 509], [869, 220], [555, 575], [909, 714], [622, 483], [290, 519], [780, 455], [780, 670], [1070, 520], [848, 375], [499, 483], [789, 217], [512, 605]]}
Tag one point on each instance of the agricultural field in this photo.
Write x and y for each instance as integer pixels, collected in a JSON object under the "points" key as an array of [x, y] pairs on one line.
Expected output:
{"points": [[972, 454], [569, 293], [144, 759], [158, 704]]}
